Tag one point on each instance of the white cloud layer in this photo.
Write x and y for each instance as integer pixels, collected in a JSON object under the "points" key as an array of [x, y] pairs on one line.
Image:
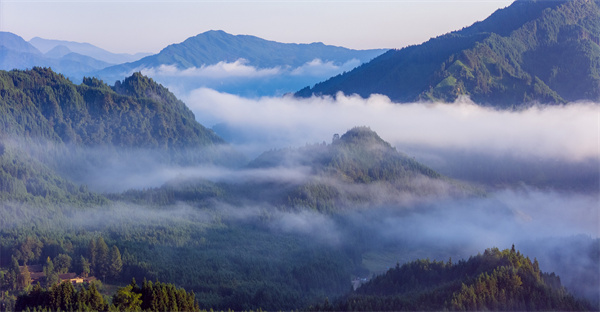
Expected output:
{"points": [[569, 132], [242, 78], [220, 70], [318, 68]]}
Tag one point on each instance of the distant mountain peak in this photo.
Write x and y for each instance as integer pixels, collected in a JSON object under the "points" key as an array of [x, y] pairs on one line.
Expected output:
{"points": [[14, 42], [214, 46], [58, 52]]}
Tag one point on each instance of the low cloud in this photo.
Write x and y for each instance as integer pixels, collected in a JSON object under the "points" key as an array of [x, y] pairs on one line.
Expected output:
{"points": [[547, 146], [318, 68], [566, 132], [242, 78], [239, 68]]}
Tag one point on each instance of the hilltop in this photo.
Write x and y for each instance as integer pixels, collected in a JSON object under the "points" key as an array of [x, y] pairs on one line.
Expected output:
{"points": [[357, 169], [55, 135], [495, 280], [136, 112]]}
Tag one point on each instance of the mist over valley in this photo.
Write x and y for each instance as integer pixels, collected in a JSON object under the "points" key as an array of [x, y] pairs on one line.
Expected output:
{"points": [[209, 172]]}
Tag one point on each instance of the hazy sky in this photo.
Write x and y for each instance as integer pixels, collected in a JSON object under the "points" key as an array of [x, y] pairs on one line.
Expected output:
{"points": [[148, 26]]}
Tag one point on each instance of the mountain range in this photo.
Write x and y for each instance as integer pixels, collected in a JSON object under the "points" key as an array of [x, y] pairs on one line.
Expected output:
{"points": [[241, 64], [292, 226], [76, 60], [72, 59], [295, 225], [40, 105], [47, 45], [530, 51], [216, 46]]}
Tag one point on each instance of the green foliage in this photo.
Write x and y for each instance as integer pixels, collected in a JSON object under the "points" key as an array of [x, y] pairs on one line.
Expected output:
{"points": [[25, 179], [531, 51], [137, 112], [351, 171], [127, 300], [102, 258], [85, 267], [51, 275], [62, 263], [24, 278], [62, 297], [355, 169], [165, 297], [115, 264], [497, 280]]}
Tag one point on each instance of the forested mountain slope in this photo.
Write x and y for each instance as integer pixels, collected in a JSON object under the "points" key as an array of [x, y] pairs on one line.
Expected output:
{"points": [[495, 280], [137, 112], [53, 131], [358, 168], [359, 155], [531, 51]]}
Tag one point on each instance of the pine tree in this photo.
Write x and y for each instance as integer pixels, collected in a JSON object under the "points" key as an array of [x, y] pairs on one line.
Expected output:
{"points": [[85, 267], [24, 279], [92, 256], [126, 299], [116, 264], [12, 276], [102, 258]]}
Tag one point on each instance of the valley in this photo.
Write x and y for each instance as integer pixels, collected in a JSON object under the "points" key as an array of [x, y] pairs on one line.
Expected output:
{"points": [[459, 174]]}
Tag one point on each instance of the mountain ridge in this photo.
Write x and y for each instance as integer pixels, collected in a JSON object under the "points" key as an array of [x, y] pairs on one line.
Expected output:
{"points": [[84, 48], [495, 280], [62, 110], [215, 46], [512, 58]]}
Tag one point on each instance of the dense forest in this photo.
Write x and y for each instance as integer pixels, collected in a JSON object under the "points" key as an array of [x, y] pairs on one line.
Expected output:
{"points": [[136, 112], [495, 280], [516, 56], [150, 297]]}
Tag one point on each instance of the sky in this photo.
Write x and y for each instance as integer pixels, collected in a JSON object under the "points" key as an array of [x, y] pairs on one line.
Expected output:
{"points": [[148, 26]]}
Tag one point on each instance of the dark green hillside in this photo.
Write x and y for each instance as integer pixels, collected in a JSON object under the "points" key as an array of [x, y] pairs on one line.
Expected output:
{"points": [[52, 127], [497, 280], [25, 179], [544, 51], [355, 169], [135, 113], [359, 155]]}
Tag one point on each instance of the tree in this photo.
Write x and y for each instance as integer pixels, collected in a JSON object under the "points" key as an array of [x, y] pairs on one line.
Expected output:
{"points": [[24, 279], [62, 263], [92, 256], [85, 267], [126, 299], [95, 300], [51, 275], [102, 257], [30, 249], [13, 274], [116, 264]]}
